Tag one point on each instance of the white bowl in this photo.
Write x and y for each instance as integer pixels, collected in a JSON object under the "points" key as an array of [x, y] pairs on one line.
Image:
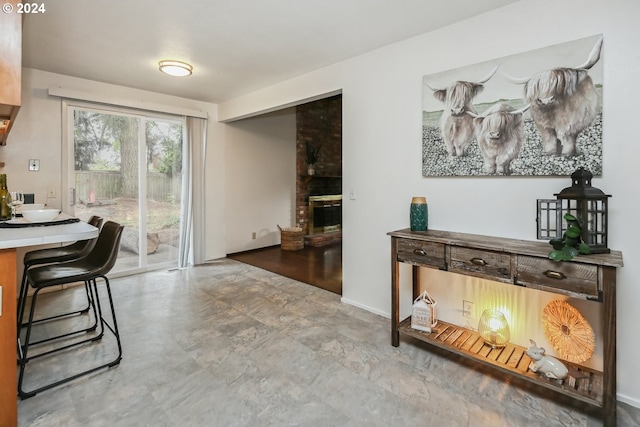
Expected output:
{"points": [[30, 207], [40, 215]]}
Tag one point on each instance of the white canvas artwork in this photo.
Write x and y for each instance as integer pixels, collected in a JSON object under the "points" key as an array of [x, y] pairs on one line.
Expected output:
{"points": [[537, 113]]}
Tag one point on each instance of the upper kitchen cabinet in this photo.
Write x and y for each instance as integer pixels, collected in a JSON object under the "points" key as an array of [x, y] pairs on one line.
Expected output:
{"points": [[10, 66]]}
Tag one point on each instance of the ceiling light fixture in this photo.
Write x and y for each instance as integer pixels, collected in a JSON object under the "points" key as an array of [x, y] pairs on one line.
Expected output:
{"points": [[175, 68]]}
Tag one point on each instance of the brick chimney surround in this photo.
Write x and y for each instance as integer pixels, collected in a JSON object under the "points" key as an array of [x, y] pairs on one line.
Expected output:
{"points": [[318, 123]]}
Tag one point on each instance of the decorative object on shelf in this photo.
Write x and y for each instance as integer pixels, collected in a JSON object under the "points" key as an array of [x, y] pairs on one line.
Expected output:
{"points": [[312, 154], [570, 244], [419, 214], [547, 365], [493, 328], [423, 316], [587, 204], [568, 331]]}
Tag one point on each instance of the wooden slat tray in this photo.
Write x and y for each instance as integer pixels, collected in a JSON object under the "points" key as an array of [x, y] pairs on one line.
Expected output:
{"points": [[582, 383]]}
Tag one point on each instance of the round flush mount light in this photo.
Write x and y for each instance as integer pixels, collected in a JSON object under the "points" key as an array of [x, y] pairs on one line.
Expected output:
{"points": [[175, 68]]}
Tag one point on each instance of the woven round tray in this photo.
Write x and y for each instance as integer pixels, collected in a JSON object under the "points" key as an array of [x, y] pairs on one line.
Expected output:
{"points": [[568, 331]]}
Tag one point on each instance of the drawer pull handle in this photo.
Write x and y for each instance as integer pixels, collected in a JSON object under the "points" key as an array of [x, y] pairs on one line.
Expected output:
{"points": [[478, 261], [554, 275], [420, 252]]}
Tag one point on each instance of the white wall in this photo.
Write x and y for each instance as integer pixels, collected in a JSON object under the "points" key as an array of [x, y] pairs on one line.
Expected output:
{"points": [[37, 134], [261, 173], [382, 145]]}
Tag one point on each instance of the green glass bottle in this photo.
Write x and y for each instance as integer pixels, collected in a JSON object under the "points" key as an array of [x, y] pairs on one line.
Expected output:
{"points": [[5, 199]]}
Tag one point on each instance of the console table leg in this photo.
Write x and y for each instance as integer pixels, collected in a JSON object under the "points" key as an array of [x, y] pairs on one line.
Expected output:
{"points": [[395, 294], [609, 343]]}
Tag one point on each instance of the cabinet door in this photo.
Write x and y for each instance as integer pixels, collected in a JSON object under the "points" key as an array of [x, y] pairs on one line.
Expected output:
{"points": [[480, 263], [567, 277], [10, 58]]}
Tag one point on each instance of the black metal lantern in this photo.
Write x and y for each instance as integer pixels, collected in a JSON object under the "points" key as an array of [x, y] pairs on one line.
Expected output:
{"points": [[588, 204]]}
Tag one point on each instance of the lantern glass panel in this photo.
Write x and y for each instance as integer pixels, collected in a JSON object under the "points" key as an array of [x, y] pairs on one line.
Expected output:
{"points": [[592, 214], [596, 226], [549, 219]]}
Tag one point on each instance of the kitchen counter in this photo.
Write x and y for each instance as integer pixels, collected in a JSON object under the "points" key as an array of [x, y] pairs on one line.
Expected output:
{"points": [[31, 236]]}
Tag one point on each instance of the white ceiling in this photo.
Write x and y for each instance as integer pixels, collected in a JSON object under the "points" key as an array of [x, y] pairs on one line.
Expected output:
{"points": [[235, 46]]}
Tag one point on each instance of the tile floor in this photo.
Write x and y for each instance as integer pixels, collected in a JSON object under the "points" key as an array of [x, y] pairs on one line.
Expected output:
{"points": [[228, 344]]}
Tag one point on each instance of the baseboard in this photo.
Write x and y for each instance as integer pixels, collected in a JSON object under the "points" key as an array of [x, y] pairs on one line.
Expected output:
{"points": [[248, 251], [628, 400], [364, 307]]}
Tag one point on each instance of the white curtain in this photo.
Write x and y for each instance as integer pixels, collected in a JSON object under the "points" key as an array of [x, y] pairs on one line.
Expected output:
{"points": [[191, 245]]}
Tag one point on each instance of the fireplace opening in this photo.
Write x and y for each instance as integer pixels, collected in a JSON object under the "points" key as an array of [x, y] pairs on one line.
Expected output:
{"points": [[325, 214]]}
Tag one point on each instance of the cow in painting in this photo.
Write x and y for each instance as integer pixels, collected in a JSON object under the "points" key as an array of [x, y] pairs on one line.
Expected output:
{"points": [[456, 126], [563, 103], [500, 133]]}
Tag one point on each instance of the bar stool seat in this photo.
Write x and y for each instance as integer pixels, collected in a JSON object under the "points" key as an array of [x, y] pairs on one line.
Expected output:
{"points": [[70, 252], [88, 269]]}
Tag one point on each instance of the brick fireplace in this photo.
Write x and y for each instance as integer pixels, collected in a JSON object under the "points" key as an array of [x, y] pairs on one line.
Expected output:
{"points": [[319, 123]]}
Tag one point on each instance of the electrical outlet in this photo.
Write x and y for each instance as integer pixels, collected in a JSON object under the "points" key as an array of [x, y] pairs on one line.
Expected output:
{"points": [[51, 192], [253, 235], [467, 308]]}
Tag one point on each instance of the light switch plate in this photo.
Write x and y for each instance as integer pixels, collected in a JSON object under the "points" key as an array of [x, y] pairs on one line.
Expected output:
{"points": [[34, 165]]}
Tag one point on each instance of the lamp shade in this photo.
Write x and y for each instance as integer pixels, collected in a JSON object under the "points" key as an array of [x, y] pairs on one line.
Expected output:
{"points": [[175, 68], [493, 328]]}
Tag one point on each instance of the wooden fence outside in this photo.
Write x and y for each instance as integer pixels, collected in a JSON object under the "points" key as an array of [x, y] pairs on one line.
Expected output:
{"points": [[108, 186]]}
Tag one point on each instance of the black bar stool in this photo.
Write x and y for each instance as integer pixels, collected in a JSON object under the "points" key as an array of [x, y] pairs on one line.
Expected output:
{"points": [[88, 269], [70, 252]]}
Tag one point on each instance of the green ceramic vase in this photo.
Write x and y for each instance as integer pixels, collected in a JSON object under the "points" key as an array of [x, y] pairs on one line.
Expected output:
{"points": [[419, 214]]}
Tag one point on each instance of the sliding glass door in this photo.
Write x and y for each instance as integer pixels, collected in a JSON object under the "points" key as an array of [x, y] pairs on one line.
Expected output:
{"points": [[127, 168]]}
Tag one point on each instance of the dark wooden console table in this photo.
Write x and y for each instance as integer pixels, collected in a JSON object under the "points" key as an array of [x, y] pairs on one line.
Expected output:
{"points": [[518, 263]]}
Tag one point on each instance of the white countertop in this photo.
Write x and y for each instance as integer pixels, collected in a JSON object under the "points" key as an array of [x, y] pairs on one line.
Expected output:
{"points": [[30, 236]]}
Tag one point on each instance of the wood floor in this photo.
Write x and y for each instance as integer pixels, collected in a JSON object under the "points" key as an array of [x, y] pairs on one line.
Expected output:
{"points": [[320, 267]]}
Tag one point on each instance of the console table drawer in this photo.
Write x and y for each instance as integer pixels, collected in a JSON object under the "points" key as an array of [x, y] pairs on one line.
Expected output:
{"points": [[570, 277], [421, 253], [492, 265]]}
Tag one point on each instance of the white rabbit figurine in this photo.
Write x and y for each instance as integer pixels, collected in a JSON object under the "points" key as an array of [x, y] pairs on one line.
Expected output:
{"points": [[548, 365]]}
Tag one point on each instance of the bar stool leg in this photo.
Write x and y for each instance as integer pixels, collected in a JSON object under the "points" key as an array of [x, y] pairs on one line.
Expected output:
{"points": [[21, 297], [24, 349]]}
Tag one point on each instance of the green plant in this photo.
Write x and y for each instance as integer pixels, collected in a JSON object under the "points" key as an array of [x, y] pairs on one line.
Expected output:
{"points": [[312, 154], [570, 244]]}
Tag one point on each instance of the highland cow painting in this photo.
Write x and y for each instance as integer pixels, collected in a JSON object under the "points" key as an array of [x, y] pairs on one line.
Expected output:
{"points": [[538, 113]]}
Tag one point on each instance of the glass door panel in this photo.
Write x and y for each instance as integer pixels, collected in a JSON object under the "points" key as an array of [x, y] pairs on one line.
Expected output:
{"points": [[163, 190], [126, 170]]}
